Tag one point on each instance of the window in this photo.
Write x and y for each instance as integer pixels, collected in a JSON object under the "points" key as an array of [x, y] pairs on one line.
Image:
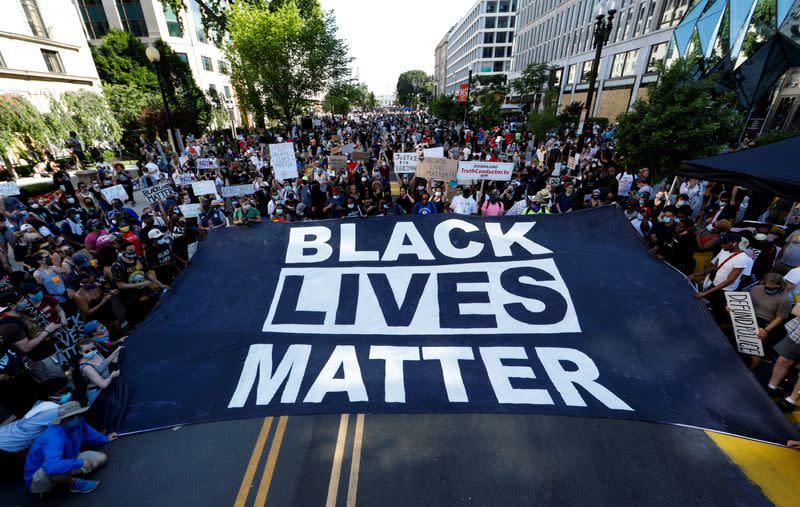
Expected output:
{"points": [[491, 7], [498, 67], [502, 22], [673, 12], [212, 88], [624, 64], [132, 17], [657, 54], [199, 28], [490, 22], [501, 37], [488, 38], [35, 20], [53, 61], [571, 74], [2, 62], [503, 6], [207, 65], [173, 25], [182, 57], [487, 52], [94, 18], [555, 77], [222, 66], [500, 52], [510, 36], [586, 71], [227, 91]]}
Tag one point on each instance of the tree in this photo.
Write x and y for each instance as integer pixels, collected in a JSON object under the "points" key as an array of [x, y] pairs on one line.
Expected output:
{"points": [[127, 102], [285, 57], [120, 60], [414, 86], [534, 78], [684, 118], [93, 118], [540, 123], [343, 96], [447, 107]]}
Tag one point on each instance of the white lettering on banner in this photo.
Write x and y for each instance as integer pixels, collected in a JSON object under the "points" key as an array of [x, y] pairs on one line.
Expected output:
{"points": [[204, 187], [185, 179], [237, 190], [260, 373], [205, 164], [157, 193], [405, 163], [115, 192], [516, 297], [492, 171], [745, 324], [9, 188], [283, 160]]}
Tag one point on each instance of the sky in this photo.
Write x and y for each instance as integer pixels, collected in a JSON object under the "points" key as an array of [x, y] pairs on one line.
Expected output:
{"points": [[388, 37]]}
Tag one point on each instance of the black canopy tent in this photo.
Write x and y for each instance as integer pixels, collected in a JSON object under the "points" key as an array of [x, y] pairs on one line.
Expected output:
{"points": [[773, 168]]}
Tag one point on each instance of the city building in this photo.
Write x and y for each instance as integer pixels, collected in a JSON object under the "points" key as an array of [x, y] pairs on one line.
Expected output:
{"points": [[480, 42], [560, 33], [440, 65], [754, 48], [150, 20], [43, 51], [386, 100]]}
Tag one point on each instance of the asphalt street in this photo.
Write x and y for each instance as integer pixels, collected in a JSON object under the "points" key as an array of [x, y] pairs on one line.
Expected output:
{"points": [[429, 459]]}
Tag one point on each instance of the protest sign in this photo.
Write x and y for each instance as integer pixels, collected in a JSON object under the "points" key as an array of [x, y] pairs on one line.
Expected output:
{"points": [[115, 192], [335, 150], [192, 249], [157, 193], [190, 210], [439, 314], [182, 161], [437, 152], [347, 149], [338, 162], [206, 164], [441, 169], [284, 162], [185, 179], [204, 187], [361, 156], [316, 122], [405, 163], [745, 324], [9, 188], [572, 162], [336, 138], [237, 190], [477, 170], [557, 169]]}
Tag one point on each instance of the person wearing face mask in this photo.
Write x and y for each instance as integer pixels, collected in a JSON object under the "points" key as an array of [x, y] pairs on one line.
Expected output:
{"points": [[47, 276], [663, 231], [117, 208], [464, 204], [772, 307], [723, 275], [493, 206], [679, 251], [424, 206], [40, 307], [159, 258], [246, 214], [352, 209], [724, 210], [763, 252], [72, 229], [280, 214], [682, 207], [128, 233], [94, 304], [566, 199], [138, 286], [95, 369], [55, 458]]}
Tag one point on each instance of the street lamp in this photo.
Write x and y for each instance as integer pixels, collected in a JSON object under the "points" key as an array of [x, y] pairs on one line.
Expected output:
{"points": [[154, 57], [229, 105], [602, 32]]}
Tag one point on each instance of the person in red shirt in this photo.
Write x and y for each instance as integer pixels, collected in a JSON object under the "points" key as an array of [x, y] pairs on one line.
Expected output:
{"points": [[129, 235], [43, 309]]}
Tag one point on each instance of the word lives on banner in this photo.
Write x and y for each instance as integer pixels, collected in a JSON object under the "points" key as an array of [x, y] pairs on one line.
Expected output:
{"points": [[439, 314]]}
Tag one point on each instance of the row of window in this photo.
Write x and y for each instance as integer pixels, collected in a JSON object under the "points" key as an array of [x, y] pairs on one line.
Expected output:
{"points": [[497, 52], [501, 6], [622, 65], [227, 90], [498, 37]]}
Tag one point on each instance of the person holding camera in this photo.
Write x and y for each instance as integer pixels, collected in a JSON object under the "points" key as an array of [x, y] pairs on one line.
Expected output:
{"points": [[246, 213]]}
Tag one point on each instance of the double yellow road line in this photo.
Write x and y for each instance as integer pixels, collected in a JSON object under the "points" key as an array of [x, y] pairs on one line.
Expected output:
{"points": [[272, 458]]}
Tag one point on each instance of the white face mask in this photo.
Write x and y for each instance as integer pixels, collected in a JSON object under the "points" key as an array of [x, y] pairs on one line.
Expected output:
{"points": [[761, 237]]}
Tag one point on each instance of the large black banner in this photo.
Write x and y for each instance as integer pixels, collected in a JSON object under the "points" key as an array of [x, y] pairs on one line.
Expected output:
{"points": [[564, 315]]}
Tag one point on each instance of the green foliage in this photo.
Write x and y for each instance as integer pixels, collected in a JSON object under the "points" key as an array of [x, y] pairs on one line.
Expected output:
{"points": [[127, 102], [447, 108], [542, 122], [108, 155], [280, 59], [533, 80], [496, 83], [94, 120], [413, 87], [37, 189], [343, 97], [59, 121], [120, 60], [489, 114], [599, 120], [571, 113], [684, 118], [22, 127], [763, 25], [773, 137]]}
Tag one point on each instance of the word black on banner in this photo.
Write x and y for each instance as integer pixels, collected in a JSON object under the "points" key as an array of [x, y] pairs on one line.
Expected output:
{"points": [[157, 193]]}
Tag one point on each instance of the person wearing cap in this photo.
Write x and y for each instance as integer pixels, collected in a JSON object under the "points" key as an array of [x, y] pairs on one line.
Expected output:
{"points": [[56, 458], [159, 257], [537, 206], [17, 436], [724, 274]]}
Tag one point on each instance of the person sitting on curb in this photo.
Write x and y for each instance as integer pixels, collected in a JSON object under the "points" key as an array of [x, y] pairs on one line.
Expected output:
{"points": [[55, 457]]}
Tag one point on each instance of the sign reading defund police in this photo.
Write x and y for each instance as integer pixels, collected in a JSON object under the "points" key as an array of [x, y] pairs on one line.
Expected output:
{"points": [[439, 314]]}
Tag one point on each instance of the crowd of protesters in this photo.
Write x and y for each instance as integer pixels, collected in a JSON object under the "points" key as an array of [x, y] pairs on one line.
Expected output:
{"points": [[79, 271]]}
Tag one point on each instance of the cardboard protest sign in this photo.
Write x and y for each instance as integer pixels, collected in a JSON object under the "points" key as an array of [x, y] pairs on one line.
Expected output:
{"points": [[361, 156], [405, 163], [336, 138], [8, 188], [441, 169], [437, 152], [205, 164], [478, 170], [115, 192], [204, 187], [157, 193], [337, 162], [572, 162], [237, 190], [347, 149], [190, 210], [284, 162]]}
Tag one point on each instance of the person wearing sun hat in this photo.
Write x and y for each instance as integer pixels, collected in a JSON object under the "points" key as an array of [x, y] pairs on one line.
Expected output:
{"points": [[56, 458]]}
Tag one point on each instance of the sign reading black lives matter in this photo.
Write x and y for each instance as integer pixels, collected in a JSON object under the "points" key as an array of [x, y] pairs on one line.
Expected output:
{"points": [[157, 193], [439, 314]]}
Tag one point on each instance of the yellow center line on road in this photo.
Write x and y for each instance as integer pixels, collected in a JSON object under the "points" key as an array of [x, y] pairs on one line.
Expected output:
{"points": [[774, 469], [255, 458], [352, 485], [272, 459], [336, 468]]}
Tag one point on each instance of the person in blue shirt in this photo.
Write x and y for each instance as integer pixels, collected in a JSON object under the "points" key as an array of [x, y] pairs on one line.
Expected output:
{"points": [[424, 206], [55, 457], [117, 207]]}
